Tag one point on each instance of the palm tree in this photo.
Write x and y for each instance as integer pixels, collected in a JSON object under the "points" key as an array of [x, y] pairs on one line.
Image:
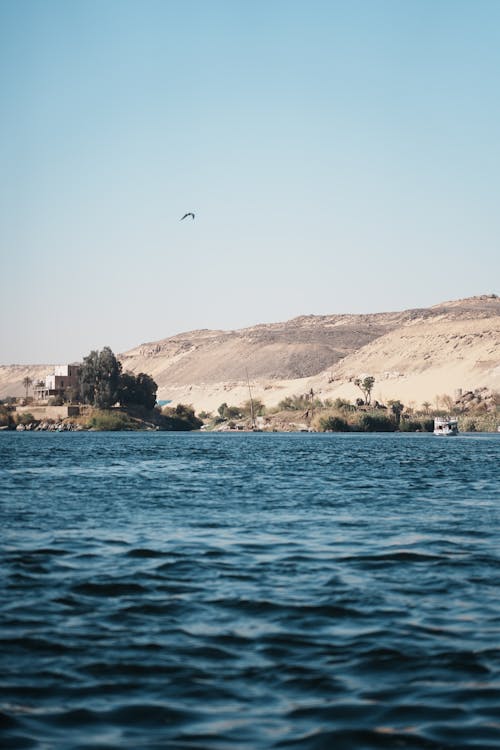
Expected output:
{"points": [[397, 409], [426, 406], [27, 383]]}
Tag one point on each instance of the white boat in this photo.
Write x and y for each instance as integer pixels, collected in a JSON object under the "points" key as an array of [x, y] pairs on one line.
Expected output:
{"points": [[445, 426]]}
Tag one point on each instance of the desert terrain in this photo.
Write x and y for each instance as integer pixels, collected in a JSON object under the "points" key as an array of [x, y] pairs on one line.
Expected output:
{"points": [[414, 355]]}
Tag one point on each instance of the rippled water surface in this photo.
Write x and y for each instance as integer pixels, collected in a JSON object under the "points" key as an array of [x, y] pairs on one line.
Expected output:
{"points": [[251, 591]]}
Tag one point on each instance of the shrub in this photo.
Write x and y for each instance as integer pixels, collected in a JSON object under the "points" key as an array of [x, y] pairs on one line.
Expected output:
{"points": [[25, 418], [375, 423], [5, 417], [342, 403], [254, 405], [479, 423], [294, 403], [410, 425], [229, 412], [181, 417], [416, 425], [110, 421], [299, 403], [333, 424], [469, 426]]}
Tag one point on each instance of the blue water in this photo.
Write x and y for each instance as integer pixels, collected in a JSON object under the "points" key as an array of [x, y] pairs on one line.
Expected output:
{"points": [[249, 591]]}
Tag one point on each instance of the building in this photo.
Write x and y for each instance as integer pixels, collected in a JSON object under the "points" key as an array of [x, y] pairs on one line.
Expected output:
{"points": [[63, 382]]}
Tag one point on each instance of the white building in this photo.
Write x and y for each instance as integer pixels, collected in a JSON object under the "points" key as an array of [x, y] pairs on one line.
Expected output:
{"points": [[64, 379]]}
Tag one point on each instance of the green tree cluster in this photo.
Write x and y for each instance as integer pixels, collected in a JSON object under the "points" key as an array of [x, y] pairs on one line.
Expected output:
{"points": [[103, 384], [182, 417], [137, 390]]}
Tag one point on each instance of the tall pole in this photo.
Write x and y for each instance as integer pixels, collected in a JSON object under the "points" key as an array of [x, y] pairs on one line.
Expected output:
{"points": [[251, 399]]}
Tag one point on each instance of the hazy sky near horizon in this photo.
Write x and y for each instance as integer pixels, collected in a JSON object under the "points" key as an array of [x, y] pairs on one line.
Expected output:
{"points": [[339, 156]]}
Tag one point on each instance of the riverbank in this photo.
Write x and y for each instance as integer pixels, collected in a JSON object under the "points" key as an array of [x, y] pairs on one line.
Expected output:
{"points": [[348, 419], [82, 418], [344, 417]]}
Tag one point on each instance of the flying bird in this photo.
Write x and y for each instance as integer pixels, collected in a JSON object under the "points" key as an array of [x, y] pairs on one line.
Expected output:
{"points": [[186, 215]]}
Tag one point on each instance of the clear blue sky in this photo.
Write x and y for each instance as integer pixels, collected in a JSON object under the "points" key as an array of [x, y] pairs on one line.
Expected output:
{"points": [[339, 156]]}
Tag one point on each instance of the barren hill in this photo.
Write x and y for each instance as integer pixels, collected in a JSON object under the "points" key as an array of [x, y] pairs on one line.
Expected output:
{"points": [[12, 376], [295, 349], [414, 354]]}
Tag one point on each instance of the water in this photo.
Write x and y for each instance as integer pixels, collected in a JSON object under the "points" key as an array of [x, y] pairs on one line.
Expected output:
{"points": [[251, 591]]}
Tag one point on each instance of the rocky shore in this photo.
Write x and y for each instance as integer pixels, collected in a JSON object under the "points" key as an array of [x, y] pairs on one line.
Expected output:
{"points": [[50, 427]]}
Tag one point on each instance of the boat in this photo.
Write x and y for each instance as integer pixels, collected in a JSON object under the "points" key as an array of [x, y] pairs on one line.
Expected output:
{"points": [[445, 426]]}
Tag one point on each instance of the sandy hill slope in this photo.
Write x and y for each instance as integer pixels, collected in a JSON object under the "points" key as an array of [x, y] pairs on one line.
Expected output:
{"points": [[12, 376], [295, 349], [414, 354], [456, 347]]}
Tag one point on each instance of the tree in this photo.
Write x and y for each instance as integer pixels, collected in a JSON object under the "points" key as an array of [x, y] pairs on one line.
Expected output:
{"points": [[397, 409], [27, 383], [127, 390], [146, 389], [366, 387], [449, 402], [229, 412], [426, 405], [137, 390], [100, 378], [222, 410], [88, 377]]}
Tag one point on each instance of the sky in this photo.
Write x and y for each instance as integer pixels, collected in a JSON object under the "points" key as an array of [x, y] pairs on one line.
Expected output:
{"points": [[340, 157]]}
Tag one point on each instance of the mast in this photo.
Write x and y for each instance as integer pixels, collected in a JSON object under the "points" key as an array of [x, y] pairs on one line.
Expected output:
{"points": [[251, 400]]}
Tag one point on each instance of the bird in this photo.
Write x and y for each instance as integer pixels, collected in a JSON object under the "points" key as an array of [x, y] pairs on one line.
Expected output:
{"points": [[190, 213]]}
